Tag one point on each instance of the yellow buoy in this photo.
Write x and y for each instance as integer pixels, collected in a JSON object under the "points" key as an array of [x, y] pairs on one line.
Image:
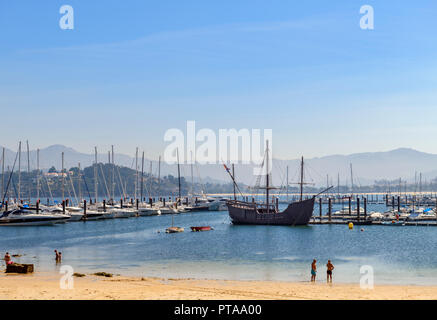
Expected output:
{"points": [[351, 225]]}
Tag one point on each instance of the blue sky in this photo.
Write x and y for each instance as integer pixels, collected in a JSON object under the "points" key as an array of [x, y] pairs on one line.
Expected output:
{"points": [[131, 70]]}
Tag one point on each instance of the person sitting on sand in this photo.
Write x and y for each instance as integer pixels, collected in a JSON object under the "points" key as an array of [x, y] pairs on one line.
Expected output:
{"points": [[329, 267], [8, 259], [313, 270]]}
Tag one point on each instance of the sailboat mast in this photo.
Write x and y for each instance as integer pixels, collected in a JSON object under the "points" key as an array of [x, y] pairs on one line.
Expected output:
{"points": [[136, 173], [420, 188], [19, 172], [150, 178], [192, 179], [159, 175], [95, 176], [63, 179], [113, 173], [352, 182], [79, 183], [142, 176], [179, 174], [3, 173], [37, 174], [28, 170]]}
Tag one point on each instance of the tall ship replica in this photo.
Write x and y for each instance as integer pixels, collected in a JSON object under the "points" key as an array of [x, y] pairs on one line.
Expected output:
{"points": [[296, 214]]}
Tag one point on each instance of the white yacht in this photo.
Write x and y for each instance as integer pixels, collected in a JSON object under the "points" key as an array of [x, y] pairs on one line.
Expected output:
{"points": [[123, 212], [75, 213], [23, 217], [147, 211]]}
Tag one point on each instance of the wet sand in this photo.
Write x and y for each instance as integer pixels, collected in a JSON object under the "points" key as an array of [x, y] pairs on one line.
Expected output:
{"points": [[46, 286]]}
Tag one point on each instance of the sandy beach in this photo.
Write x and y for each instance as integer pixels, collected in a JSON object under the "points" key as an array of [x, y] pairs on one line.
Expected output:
{"points": [[45, 286]]}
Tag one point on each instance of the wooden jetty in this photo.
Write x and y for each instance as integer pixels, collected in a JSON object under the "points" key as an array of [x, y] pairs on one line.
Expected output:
{"points": [[359, 217]]}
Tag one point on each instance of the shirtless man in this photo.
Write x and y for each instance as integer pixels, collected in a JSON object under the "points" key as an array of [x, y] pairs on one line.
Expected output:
{"points": [[329, 268], [313, 271]]}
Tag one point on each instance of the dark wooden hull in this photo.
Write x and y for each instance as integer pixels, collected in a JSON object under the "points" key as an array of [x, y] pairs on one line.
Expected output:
{"points": [[296, 214]]}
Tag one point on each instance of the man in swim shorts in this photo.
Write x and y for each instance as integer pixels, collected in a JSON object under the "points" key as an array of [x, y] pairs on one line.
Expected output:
{"points": [[329, 268], [313, 270]]}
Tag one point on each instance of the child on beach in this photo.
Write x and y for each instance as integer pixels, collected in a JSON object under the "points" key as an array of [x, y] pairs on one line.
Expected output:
{"points": [[313, 271]]}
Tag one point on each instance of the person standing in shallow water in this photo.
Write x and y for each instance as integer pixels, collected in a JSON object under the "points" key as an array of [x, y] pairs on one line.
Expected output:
{"points": [[313, 270], [329, 268], [58, 256]]}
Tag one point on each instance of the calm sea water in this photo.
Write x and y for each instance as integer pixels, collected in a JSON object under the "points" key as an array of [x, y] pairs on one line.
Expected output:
{"points": [[398, 255]]}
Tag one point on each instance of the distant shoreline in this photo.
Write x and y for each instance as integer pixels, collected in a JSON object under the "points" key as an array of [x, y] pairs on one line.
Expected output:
{"points": [[46, 286]]}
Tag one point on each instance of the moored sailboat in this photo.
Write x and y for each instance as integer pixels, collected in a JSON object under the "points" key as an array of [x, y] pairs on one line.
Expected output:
{"points": [[174, 229]]}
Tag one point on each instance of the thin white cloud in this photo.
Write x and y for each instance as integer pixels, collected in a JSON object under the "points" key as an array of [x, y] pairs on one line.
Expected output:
{"points": [[120, 46]]}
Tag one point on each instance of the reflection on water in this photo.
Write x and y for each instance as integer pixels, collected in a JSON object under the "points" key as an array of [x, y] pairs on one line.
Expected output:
{"points": [[404, 255]]}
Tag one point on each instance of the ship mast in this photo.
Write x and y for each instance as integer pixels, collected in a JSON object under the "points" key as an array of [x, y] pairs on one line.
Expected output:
{"points": [[301, 180], [287, 184], [267, 176], [233, 175]]}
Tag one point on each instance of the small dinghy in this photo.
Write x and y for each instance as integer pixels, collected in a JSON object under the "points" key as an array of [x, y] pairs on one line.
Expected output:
{"points": [[174, 230], [393, 223], [202, 228]]}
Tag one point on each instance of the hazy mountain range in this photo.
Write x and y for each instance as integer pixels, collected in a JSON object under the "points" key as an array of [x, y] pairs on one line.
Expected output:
{"points": [[367, 167]]}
